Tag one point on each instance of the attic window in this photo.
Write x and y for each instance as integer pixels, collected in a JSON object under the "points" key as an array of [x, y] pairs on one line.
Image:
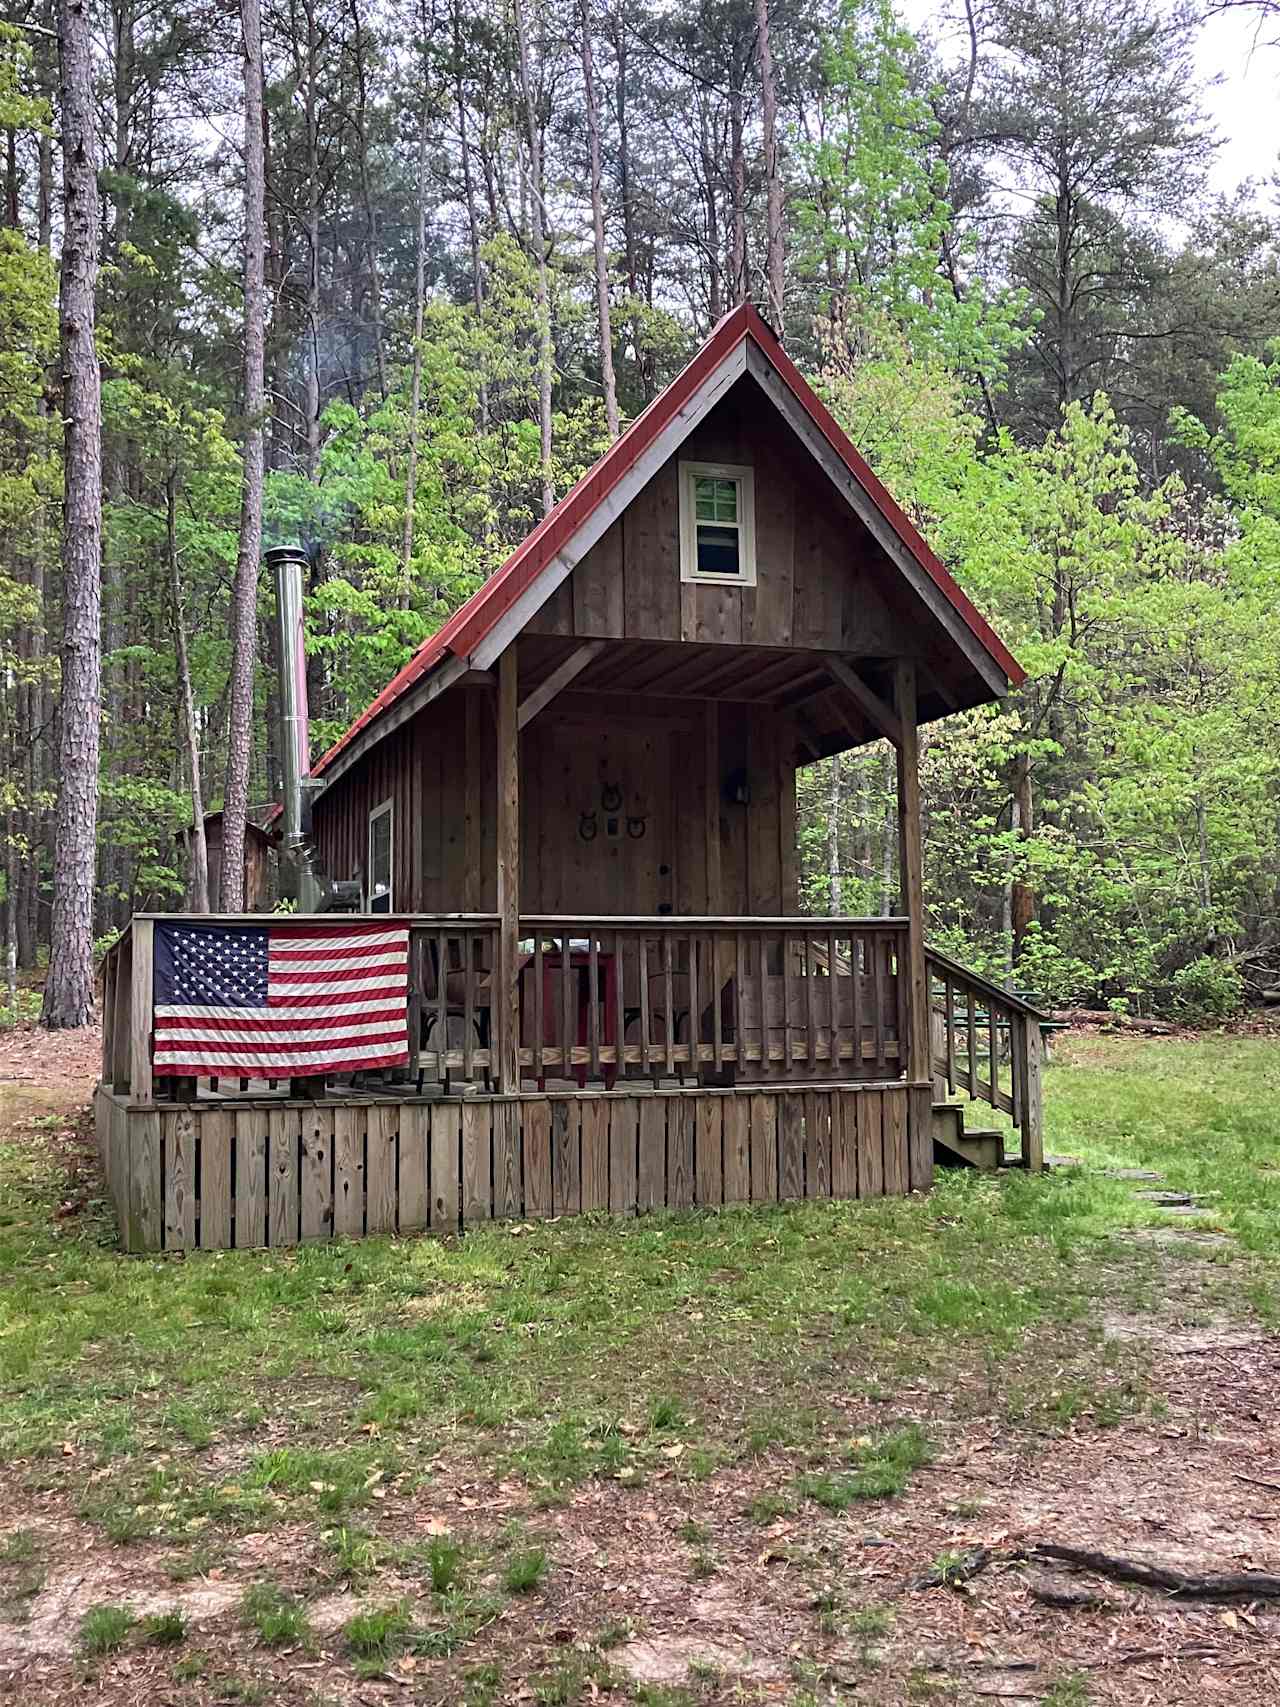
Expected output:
{"points": [[717, 524]]}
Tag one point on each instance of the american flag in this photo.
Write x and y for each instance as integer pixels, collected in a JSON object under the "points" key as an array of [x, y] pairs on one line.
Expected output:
{"points": [[274, 1000]]}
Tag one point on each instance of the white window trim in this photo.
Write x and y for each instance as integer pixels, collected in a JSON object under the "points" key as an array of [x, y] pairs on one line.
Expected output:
{"points": [[385, 810], [745, 476]]}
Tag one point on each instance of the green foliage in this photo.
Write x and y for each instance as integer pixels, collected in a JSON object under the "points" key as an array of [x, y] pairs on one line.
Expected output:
{"points": [[279, 1619]]}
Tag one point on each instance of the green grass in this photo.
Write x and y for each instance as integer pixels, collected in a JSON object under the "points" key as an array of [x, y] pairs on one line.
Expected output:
{"points": [[279, 1619], [377, 1633], [649, 1352], [525, 1570], [104, 1628], [165, 1629]]}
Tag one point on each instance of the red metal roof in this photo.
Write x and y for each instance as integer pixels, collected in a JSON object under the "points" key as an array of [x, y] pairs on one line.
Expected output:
{"points": [[473, 620]]}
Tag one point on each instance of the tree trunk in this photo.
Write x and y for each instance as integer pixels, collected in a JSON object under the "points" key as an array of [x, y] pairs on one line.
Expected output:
{"points": [[199, 884], [415, 384], [1022, 899], [738, 212], [469, 191], [597, 226], [538, 239], [68, 994], [244, 592], [774, 262]]}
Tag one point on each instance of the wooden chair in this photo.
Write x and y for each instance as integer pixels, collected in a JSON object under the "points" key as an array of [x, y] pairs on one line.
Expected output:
{"points": [[455, 998]]}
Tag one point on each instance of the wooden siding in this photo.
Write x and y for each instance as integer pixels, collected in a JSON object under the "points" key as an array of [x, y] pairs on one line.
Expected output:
{"points": [[211, 1177], [820, 580], [699, 853]]}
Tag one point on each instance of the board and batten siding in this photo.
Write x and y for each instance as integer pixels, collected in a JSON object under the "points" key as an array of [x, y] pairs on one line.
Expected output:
{"points": [[820, 581], [204, 1176], [700, 853]]}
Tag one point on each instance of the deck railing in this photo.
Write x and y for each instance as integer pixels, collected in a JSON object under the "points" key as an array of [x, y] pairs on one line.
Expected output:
{"points": [[603, 999]]}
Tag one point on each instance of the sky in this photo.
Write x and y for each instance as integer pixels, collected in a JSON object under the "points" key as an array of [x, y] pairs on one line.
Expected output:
{"points": [[1244, 105]]}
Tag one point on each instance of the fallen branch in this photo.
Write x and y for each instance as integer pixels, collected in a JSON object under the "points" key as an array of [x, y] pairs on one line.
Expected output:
{"points": [[1242, 1585], [1114, 1022], [1257, 1482]]}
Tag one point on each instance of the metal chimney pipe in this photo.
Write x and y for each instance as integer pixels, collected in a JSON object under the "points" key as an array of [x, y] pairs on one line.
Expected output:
{"points": [[287, 563]]}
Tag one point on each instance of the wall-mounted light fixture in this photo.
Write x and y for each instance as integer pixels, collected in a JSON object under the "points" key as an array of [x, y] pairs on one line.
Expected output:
{"points": [[737, 789]]}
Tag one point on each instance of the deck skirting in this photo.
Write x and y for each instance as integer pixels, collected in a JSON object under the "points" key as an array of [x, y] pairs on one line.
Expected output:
{"points": [[227, 1176]]}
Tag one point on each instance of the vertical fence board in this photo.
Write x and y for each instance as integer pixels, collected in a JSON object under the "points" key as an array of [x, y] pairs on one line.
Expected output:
{"points": [[736, 1123], [595, 1154], [446, 1149], [217, 1134], [920, 1143], [145, 1219], [818, 1108], [477, 1160], [251, 1178], [844, 1144], [537, 1159], [317, 1174], [651, 1184], [709, 1151], [284, 1137], [623, 1173], [380, 1168], [870, 1144], [348, 1171], [791, 1145], [764, 1149], [178, 1135], [566, 1156], [508, 1187], [679, 1153], [415, 1196], [895, 1143]]}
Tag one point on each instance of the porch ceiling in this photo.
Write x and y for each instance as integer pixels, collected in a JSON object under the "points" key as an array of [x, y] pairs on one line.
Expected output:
{"points": [[795, 681]]}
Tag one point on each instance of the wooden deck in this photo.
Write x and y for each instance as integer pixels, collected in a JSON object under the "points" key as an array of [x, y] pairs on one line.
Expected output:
{"points": [[221, 1176]]}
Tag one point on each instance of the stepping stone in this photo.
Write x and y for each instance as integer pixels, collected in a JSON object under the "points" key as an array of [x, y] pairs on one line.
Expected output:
{"points": [[1131, 1173]]}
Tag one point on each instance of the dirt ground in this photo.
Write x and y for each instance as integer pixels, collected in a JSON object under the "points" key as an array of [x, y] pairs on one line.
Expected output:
{"points": [[812, 1607]]}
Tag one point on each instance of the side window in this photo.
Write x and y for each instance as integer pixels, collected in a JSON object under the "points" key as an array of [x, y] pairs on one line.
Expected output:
{"points": [[381, 842], [717, 523]]}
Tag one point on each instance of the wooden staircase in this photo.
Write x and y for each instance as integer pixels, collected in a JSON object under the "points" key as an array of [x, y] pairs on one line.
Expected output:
{"points": [[956, 1144], [986, 1044]]}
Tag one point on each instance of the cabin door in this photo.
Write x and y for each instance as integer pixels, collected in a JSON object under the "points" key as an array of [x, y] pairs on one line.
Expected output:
{"points": [[599, 818]]}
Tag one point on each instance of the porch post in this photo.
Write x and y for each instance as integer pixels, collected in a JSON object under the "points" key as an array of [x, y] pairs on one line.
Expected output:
{"points": [[505, 1040], [909, 859]]}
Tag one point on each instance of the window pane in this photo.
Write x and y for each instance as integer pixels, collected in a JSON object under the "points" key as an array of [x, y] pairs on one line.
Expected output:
{"points": [[726, 500], [717, 551], [380, 863], [704, 492]]}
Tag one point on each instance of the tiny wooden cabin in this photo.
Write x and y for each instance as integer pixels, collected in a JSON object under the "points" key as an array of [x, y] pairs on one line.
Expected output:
{"points": [[580, 794]]}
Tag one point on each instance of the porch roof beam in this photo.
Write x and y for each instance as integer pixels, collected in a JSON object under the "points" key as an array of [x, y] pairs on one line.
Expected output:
{"points": [[537, 699], [881, 718]]}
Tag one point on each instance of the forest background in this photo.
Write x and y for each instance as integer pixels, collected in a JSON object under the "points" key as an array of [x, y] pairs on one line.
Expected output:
{"points": [[487, 234]]}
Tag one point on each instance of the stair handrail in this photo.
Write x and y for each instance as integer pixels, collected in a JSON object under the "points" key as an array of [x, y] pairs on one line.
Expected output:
{"points": [[1026, 1049]]}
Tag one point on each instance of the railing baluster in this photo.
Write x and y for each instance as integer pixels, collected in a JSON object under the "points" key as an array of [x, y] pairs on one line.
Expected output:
{"points": [[717, 1015], [646, 1024], [620, 1000], [740, 1000], [567, 1028], [593, 998], [949, 1010], [993, 1045], [469, 1005], [971, 1038], [833, 988], [857, 954], [539, 1015], [669, 997], [1015, 1067], [695, 1009], [878, 948], [810, 1019]]}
